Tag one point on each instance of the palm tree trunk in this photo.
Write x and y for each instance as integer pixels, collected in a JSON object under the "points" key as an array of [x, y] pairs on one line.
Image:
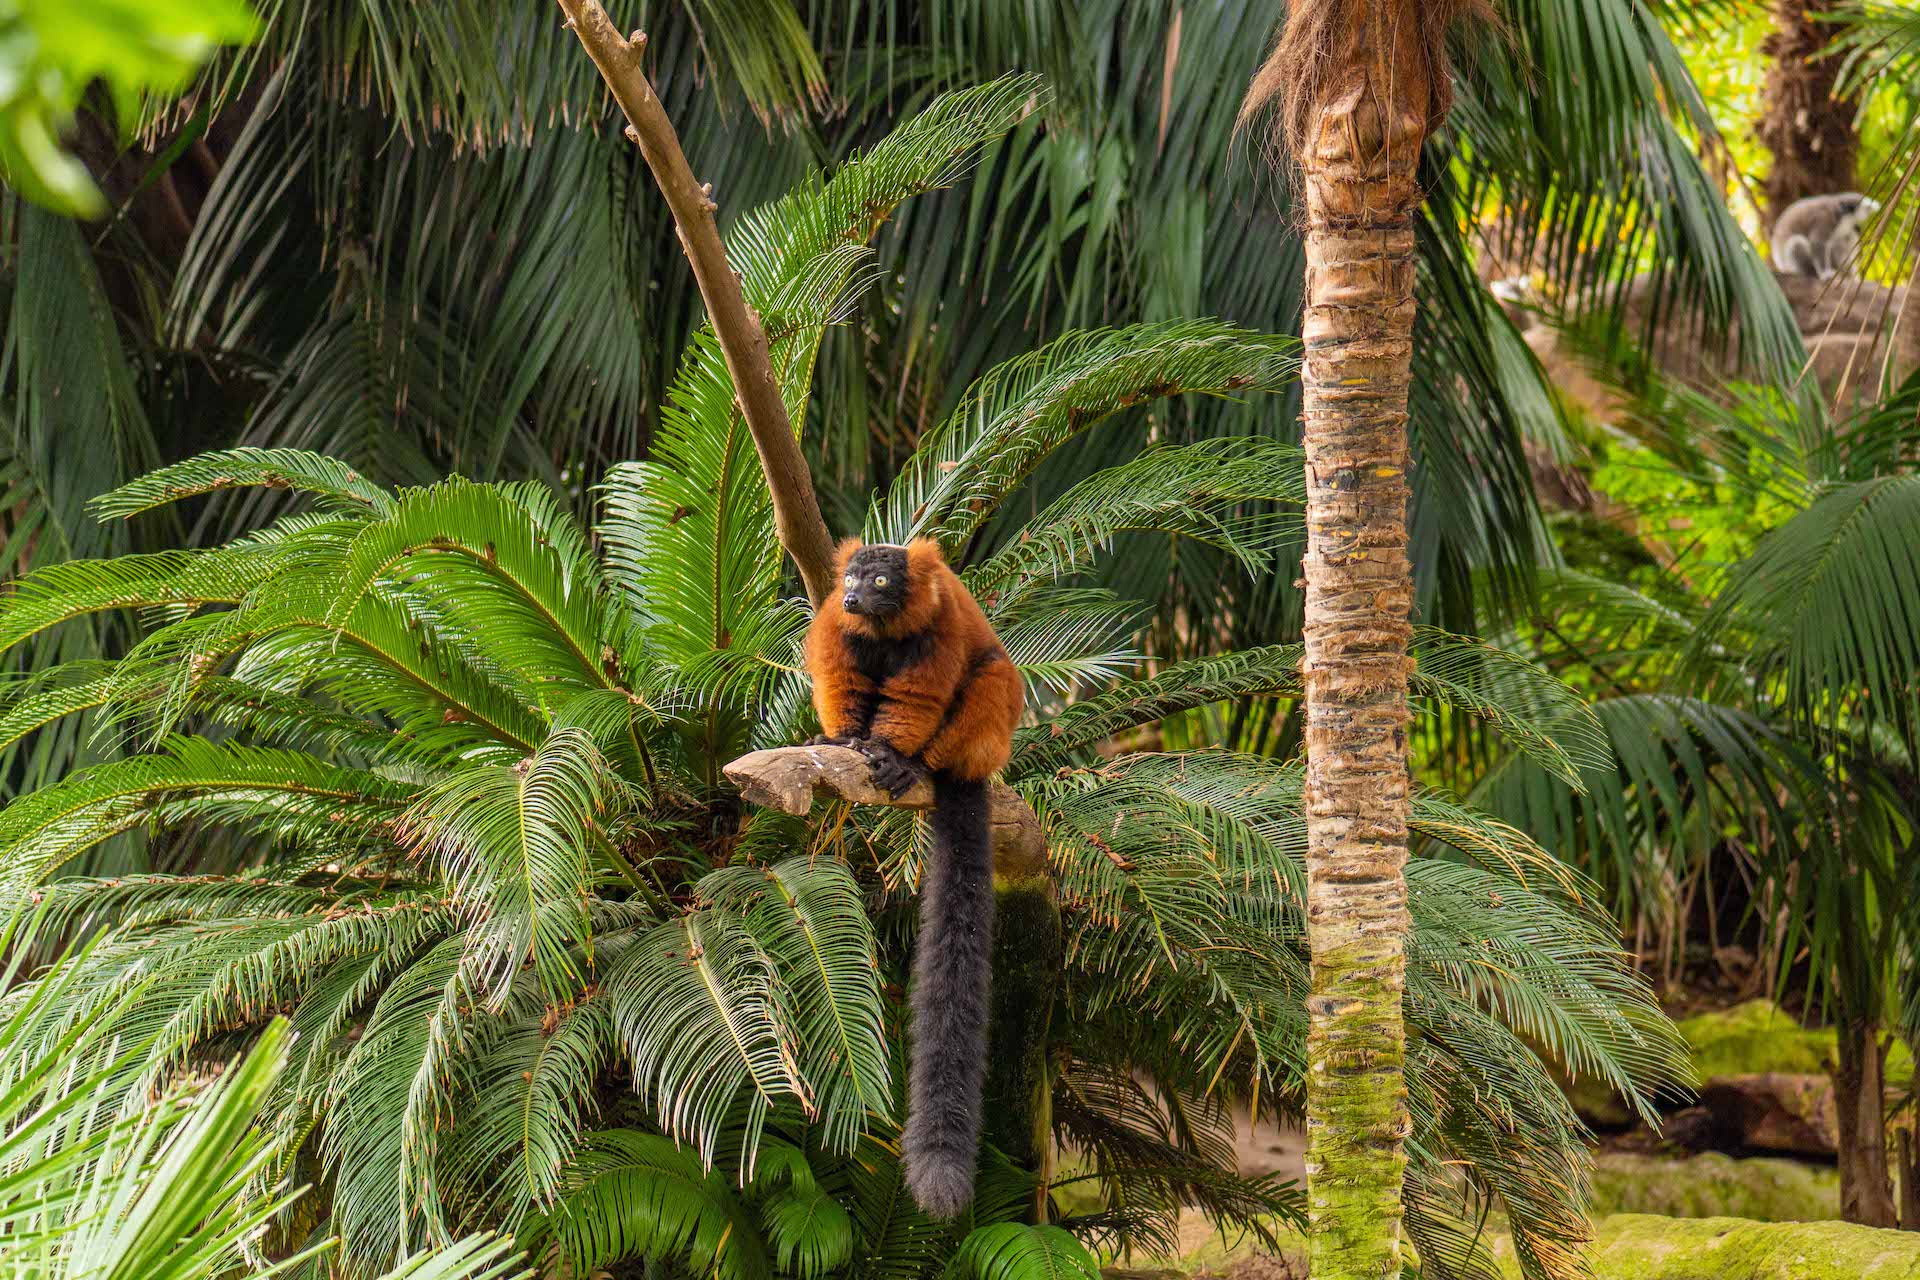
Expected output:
{"points": [[1358, 84], [1859, 1096], [1810, 132]]}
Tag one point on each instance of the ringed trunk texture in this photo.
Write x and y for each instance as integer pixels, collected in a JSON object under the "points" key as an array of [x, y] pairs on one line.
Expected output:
{"points": [[1809, 131], [1859, 1096], [1359, 83]]}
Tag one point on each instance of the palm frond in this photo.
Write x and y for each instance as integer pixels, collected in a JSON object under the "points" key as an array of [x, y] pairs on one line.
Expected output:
{"points": [[511, 842], [706, 1019], [810, 917], [1028, 407], [633, 1195], [1830, 603]]}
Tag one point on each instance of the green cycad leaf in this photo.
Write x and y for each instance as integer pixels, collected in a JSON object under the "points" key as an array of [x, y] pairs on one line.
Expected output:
{"points": [[1027, 407], [705, 1018], [522, 1126], [1131, 703], [512, 844], [1539, 713], [1540, 965], [178, 579], [387, 660], [267, 962], [1219, 492], [256, 786], [390, 1103], [1830, 601], [811, 1233], [1059, 636], [897, 1241], [810, 916], [635, 1195], [49, 695], [503, 564], [689, 532], [76, 904], [293, 469], [1159, 1151], [1017, 1251]]}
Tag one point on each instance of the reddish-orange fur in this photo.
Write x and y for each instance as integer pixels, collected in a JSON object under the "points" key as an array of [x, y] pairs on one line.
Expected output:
{"points": [[953, 706]]}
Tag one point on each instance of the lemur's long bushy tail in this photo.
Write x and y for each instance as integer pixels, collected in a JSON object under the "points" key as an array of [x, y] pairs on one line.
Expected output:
{"points": [[952, 965]]}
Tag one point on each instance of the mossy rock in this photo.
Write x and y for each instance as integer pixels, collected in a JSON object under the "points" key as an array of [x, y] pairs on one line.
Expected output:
{"points": [[1644, 1247], [1714, 1186], [1759, 1037]]}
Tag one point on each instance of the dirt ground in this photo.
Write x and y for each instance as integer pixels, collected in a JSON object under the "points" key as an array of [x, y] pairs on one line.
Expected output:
{"points": [[1266, 1148]]}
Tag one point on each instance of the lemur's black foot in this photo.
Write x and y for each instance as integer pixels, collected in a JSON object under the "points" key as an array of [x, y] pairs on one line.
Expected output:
{"points": [[893, 773]]}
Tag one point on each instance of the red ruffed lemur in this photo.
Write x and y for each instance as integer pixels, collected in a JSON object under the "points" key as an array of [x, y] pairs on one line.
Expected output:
{"points": [[907, 669]]}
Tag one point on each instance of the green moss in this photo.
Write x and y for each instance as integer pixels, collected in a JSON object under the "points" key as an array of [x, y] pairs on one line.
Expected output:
{"points": [[1356, 1107], [1218, 1255], [1643, 1247], [1026, 978], [1759, 1036], [1753, 1037], [1715, 1186]]}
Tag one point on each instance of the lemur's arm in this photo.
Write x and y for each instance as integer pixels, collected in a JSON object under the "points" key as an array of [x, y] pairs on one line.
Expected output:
{"points": [[841, 694], [914, 703]]}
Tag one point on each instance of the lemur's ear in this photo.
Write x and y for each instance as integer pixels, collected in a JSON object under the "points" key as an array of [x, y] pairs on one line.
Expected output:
{"points": [[927, 569], [844, 552], [923, 550]]}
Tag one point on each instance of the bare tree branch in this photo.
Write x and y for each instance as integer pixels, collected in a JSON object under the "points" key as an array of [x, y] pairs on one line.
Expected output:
{"points": [[743, 340]]}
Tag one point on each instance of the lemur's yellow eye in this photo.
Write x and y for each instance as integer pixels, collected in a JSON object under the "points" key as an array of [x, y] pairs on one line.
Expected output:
{"points": [[848, 579], [880, 581]]}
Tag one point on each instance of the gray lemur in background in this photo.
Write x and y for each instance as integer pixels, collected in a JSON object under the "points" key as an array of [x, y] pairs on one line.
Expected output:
{"points": [[1819, 235]]}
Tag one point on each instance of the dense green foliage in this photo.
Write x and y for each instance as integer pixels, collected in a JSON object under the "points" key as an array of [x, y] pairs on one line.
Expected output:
{"points": [[373, 664], [435, 771], [169, 1189]]}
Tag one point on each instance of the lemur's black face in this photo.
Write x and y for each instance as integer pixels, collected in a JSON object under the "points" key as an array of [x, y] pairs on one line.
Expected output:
{"points": [[875, 582]]}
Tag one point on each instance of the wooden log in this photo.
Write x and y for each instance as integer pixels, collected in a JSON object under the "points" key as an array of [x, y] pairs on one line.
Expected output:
{"points": [[788, 779]]}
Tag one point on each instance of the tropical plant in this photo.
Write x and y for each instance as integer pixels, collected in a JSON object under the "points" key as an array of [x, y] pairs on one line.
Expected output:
{"points": [[1354, 90], [160, 1190], [436, 771], [294, 259], [1758, 685], [50, 56]]}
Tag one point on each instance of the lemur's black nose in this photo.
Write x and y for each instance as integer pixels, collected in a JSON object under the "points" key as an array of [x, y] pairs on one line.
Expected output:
{"points": [[849, 600]]}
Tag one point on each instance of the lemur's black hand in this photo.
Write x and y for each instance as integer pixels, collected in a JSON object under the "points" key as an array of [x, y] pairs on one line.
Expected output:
{"points": [[893, 773]]}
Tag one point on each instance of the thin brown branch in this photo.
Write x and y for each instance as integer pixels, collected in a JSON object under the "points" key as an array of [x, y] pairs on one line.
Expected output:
{"points": [[743, 339]]}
